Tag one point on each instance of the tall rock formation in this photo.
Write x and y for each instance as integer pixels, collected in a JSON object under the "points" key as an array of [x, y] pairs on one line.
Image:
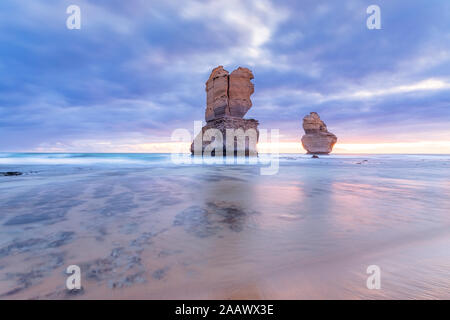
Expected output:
{"points": [[227, 101], [317, 139]]}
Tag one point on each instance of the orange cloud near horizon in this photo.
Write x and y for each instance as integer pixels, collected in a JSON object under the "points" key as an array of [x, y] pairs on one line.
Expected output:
{"points": [[419, 147]]}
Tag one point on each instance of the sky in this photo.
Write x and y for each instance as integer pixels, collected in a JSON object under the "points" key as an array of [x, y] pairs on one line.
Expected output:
{"points": [[135, 71]]}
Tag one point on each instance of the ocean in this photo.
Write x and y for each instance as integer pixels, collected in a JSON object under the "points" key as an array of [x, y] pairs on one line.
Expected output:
{"points": [[141, 226]]}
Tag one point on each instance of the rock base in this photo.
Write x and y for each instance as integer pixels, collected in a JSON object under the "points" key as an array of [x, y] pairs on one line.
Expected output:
{"points": [[319, 143], [214, 136]]}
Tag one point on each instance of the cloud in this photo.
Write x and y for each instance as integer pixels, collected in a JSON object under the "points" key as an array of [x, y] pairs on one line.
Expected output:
{"points": [[254, 22], [136, 70], [425, 85]]}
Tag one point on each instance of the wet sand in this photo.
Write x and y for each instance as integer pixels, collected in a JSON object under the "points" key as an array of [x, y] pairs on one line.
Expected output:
{"points": [[159, 231]]}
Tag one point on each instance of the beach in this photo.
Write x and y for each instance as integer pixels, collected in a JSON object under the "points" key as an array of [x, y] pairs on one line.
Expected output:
{"points": [[141, 227]]}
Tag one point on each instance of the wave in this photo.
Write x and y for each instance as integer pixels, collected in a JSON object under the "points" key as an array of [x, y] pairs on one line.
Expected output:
{"points": [[79, 158], [164, 158]]}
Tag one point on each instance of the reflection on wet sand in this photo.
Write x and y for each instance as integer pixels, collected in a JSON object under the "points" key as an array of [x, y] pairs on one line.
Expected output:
{"points": [[204, 232]]}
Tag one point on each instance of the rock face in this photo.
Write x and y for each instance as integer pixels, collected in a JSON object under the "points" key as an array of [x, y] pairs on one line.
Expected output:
{"points": [[227, 101], [245, 140], [217, 94], [240, 89], [317, 139]]}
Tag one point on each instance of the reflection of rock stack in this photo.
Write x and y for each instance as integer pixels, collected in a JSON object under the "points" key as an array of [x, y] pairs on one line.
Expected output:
{"points": [[227, 101], [317, 139]]}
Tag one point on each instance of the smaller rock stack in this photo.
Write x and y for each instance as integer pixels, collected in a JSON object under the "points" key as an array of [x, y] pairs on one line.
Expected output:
{"points": [[317, 139]]}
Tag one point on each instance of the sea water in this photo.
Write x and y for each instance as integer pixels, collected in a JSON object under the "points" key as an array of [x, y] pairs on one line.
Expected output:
{"points": [[140, 226]]}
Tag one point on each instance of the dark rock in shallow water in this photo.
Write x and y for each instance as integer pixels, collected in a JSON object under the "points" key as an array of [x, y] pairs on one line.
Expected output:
{"points": [[11, 173], [160, 273], [195, 220], [166, 253], [44, 212], [74, 292], [127, 281], [38, 271], [214, 216], [12, 292], [61, 238], [122, 268], [116, 252], [22, 246], [99, 269], [37, 244], [119, 204], [28, 218]]}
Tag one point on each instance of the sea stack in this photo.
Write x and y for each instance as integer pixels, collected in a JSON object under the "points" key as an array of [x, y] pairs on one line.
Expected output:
{"points": [[317, 139], [227, 101]]}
